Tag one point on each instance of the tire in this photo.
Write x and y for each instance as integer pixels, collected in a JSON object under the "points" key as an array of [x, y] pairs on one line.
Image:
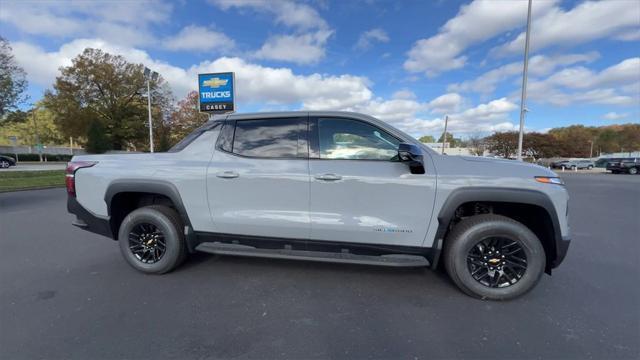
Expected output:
{"points": [[4, 164], [633, 170], [141, 222], [590, 167], [463, 241], [573, 168]]}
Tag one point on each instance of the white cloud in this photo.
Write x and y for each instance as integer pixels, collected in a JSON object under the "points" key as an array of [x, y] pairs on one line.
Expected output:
{"points": [[631, 35], [587, 21], [288, 13], [308, 48], [126, 22], [281, 88], [484, 118], [311, 32], [614, 85], [367, 38], [539, 65], [256, 83], [199, 38], [615, 116], [446, 104], [404, 94], [474, 24]]}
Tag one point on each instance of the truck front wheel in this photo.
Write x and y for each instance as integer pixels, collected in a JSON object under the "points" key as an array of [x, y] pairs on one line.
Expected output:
{"points": [[493, 257], [151, 239]]}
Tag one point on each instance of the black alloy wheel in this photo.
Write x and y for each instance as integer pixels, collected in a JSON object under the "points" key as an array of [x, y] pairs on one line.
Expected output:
{"points": [[493, 257], [147, 243], [497, 262], [152, 240]]}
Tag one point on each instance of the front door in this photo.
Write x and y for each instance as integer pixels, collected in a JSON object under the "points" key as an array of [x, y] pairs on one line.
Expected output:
{"points": [[258, 178], [360, 192]]}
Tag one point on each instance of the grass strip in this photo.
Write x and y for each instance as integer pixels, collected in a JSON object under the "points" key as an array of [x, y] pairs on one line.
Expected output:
{"points": [[23, 180]]}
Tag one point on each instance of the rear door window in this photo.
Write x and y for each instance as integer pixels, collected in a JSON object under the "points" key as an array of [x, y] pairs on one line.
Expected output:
{"points": [[271, 138]]}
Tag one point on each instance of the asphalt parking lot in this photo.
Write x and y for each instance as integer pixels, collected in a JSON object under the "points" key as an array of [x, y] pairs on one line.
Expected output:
{"points": [[66, 293]]}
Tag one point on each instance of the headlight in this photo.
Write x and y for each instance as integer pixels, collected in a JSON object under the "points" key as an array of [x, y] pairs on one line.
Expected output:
{"points": [[549, 180]]}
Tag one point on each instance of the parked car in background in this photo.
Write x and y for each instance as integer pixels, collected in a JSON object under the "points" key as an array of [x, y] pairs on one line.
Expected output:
{"points": [[574, 164], [6, 162], [602, 163], [624, 166]]}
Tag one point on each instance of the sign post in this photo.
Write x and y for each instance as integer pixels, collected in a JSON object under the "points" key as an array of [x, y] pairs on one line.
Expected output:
{"points": [[216, 93]]}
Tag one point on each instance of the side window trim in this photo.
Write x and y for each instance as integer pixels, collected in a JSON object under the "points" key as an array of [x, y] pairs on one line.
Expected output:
{"points": [[314, 137], [225, 139]]}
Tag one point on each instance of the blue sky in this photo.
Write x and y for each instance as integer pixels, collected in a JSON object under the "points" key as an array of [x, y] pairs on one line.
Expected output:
{"points": [[408, 63]]}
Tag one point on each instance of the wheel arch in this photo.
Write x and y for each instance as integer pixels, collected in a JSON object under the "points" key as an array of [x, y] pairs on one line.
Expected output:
{"points": [[125, 195], [532, 208]]}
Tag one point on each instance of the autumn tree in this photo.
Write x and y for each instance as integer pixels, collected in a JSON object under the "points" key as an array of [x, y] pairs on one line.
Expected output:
{"points": [[106, 88], [539, 145], [186, 117], [503, 144], [13, 80]]}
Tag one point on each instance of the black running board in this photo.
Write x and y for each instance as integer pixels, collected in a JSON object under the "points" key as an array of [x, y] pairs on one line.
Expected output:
{"points": [[394, 260]]}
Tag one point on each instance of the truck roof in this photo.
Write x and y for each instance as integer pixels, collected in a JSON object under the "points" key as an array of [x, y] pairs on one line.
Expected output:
{"points": [[279, 114]]}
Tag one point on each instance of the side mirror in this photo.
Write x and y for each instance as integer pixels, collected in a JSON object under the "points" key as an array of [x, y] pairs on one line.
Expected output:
{"points": [[413, 156]]}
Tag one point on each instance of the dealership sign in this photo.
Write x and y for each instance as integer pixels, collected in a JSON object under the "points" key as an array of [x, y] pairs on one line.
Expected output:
{"points": [[217, 92]]}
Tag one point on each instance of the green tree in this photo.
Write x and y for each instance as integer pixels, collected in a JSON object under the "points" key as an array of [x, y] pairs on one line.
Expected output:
{"points": [[97, 140], [427, 139], [104, 87], [13, 81], [26, 124], [453, 141]]}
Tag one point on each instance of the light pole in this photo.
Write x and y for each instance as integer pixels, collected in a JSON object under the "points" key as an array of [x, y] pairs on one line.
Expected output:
{"points": [[591, 151], [150, 75], [523, 99]]}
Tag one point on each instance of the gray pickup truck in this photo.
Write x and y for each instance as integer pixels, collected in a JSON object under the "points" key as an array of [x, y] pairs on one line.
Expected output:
{"points": [[326, 186]]}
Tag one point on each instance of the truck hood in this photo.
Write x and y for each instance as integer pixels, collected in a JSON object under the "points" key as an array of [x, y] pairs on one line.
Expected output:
{"points": [[482, 166]]}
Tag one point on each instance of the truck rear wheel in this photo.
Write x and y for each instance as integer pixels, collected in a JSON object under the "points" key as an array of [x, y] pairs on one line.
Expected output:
{"points": [[151, 239], [493, 257]]}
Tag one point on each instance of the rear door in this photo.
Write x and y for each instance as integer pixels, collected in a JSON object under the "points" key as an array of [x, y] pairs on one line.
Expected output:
{"points": [[258, 179], [360, 192]]}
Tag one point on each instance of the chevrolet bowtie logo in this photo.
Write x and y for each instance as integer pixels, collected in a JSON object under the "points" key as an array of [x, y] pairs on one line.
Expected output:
{"points": [[215, 82]]}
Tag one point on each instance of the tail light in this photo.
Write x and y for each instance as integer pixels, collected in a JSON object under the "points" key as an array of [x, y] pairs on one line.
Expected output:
{"points": [[70, 178]]}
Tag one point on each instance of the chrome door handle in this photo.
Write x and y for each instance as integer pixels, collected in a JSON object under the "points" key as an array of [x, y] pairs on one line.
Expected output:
{"points": [[227, 174], [328, 177]]}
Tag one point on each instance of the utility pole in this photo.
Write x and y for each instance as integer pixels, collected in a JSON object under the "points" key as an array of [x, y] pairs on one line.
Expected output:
{"points": [[523, 99], [591, 151], [444, 136]]}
